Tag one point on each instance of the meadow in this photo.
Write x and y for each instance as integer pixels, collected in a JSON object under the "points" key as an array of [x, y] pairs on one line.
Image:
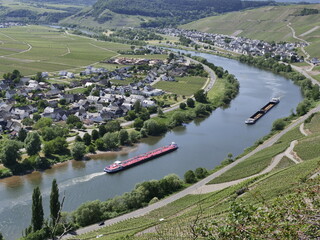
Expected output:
{"points": [[32, 49], [183, 86]]}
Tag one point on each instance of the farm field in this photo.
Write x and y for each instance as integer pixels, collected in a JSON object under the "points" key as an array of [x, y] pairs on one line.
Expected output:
{"points": [[32, 49], [183, 86]]}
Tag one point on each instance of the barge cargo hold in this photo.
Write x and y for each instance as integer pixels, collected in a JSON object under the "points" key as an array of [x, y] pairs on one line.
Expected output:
{"points": [[122, 165], [255, 117]]}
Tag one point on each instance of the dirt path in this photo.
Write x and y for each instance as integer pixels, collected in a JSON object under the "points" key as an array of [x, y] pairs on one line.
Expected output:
{"points": [[302, 130], [275, 161]]}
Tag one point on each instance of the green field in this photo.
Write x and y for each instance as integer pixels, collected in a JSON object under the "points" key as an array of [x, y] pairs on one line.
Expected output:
{"points": [[267, 23], [32, 49], [184, 86]]}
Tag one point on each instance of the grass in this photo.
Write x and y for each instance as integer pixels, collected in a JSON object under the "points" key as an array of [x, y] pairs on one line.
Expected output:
{"points": [[217, 91], [184, 86], [51, 50], [284, 163], [258, 161], [308, 148], [314, 125]]}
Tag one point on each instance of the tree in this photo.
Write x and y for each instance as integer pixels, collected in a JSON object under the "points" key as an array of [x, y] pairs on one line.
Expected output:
{"points": [[1, 237], [190, 103], [154, 128], [134, 136], [94, 135], [88, 213], [201, 173], [78, 150], [32, 143], [100, 144], [87, 139], [201, 96], [27, 121], [190, 177], [138, 123], [9, 152], [137, 106], [43, 122], [113, 126], [102, 130], [73, 120], [37, 210], [278, 124], [39, 77], [111, 140], [183, 106], [36, 117], [123, 137], [177, 119], [201, 110], [22, 135], [54, 202]]}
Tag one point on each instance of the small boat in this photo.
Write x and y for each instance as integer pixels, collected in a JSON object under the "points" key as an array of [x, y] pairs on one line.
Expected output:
{"points": [[122, 165]]}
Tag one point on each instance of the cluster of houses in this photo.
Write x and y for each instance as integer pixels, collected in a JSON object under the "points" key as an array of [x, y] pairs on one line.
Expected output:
{"points": [[134, 61], [237, 44], [10, 24], [104, 102]]}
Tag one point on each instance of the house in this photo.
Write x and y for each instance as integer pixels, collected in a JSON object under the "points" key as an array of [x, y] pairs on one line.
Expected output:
{"points": [[53, 93], [68, 97], [10, 93]]}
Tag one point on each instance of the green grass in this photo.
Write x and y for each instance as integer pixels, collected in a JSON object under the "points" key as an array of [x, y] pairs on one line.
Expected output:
{"points": [[314, 125], [184, 86], [51, 50], [217, 91], [308, 148], [284, 163]]}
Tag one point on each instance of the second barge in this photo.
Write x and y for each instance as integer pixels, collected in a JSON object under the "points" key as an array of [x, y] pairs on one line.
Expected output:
{"points": [[255, 117]]}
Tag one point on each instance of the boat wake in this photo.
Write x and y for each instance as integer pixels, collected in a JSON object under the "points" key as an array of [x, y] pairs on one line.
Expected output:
{"points": [[82, 179]]}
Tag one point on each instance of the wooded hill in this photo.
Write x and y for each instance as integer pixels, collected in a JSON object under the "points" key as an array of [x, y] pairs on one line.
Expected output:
{"points": [[164, 12]]}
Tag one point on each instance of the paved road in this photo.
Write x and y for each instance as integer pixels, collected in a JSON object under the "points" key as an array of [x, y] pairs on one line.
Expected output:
{"points": [[196, 186]]}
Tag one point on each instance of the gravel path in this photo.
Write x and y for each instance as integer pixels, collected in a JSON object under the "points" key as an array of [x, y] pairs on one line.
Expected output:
{"points": [[302, 130]]}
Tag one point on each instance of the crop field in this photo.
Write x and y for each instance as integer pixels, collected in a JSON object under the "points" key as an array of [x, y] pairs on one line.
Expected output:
{"points": [[308, 148], [314, 125], [32, 49], [184, 86]]}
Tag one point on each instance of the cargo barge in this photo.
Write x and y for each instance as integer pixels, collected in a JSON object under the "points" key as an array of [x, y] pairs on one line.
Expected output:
{"points": [[255, 117], [122, 165]]}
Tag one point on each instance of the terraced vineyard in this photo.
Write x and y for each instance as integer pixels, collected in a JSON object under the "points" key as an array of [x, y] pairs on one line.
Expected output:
{"points": [[184, 218]]}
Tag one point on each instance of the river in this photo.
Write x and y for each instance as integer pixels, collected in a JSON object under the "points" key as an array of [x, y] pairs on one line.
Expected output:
{"points": [[203, 143]]}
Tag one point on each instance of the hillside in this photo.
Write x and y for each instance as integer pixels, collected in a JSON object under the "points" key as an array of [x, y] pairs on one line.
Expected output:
{"points": [[155, 13], [267, 23], [274, 192], [36, 11]]}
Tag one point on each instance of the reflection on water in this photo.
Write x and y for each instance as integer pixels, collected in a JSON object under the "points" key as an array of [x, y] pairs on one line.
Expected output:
{"points": [[78, 164]]}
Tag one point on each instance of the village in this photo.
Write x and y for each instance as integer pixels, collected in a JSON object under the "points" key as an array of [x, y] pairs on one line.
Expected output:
{"points": [[28, 98], [240, 45]]}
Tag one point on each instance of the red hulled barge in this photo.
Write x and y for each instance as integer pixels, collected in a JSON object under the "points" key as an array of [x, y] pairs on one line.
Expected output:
{"points": [[122, 165]]}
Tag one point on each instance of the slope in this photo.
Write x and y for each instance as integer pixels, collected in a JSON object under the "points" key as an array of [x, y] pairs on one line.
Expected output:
{"points": [[266, 23]]}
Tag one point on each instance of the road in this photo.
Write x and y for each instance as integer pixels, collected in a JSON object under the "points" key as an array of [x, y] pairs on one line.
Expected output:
{"points": [[196, 186]]}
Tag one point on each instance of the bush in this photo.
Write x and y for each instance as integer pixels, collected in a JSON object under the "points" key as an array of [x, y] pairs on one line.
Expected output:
{"points": [[183, 106], [278, 124], [190, 177], [201, 173], [78, 150], [190, 103]]}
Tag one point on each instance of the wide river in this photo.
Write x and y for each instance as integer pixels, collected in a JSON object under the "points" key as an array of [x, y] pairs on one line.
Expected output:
{"points": [[203, 143]]}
